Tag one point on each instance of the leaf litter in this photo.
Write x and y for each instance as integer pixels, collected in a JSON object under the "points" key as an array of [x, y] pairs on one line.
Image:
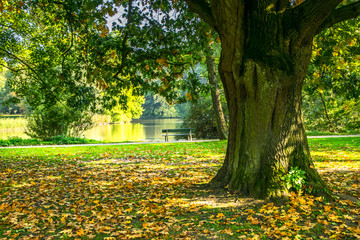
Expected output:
{"points": [[156, 192]]}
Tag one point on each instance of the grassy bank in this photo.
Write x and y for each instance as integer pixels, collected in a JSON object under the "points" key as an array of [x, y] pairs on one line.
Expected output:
{"points": [[317, 133], [57, 140], [12, 123], [156, 191]]}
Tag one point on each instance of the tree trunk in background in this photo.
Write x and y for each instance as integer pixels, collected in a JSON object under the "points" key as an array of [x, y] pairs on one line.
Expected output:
{"points": [[331, 124], [215, 96], [263, 65]]}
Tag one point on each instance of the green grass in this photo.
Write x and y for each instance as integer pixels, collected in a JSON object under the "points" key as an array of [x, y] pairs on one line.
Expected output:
{"points": [[318, 133], [156, 192]]}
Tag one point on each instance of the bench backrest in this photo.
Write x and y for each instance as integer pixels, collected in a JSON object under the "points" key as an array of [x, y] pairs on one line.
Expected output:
{"points": [[183, 130]]}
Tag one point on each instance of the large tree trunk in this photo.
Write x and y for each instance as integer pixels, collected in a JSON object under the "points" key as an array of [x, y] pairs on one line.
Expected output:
{"points": [[263, 66], [215, 96]]}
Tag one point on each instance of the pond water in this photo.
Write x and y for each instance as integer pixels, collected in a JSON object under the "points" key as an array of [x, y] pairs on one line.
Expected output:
{"points": [[138, 130]]}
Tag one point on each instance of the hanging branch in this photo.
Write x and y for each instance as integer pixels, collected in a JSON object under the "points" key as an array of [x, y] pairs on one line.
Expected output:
{"points": [[23, 62], [66, 52], [127, 33]]}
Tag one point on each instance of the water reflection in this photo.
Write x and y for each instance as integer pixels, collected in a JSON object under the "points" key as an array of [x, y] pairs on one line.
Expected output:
{"points": [[139, 130]]}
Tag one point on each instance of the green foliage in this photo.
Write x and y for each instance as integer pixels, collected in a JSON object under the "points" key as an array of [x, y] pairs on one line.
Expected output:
{"points": [[66, 53], [16, 141], [48, 68], [59, 119], [201, 117], [6, 106], [327, 111], [62, 139], [332, 89], [129, 108], [295, 179]]}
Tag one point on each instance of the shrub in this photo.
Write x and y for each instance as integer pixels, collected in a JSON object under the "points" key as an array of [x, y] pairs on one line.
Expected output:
{"points": [[295, 179], [201, 117], [44, 123]]}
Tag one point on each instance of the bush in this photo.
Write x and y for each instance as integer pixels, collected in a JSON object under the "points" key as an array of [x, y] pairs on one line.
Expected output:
{"points": [[59, 119], [341, 115], [16, 141], [60, 139], [201, 117]]}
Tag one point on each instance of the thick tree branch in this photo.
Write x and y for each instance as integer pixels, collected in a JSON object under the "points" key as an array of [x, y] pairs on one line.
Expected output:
{"points": [[282, 5], [202, 8], [311, 14], [339, 15]]}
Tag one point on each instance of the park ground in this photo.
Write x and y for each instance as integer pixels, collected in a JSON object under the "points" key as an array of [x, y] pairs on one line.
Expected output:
{"points": [[156, 191]]}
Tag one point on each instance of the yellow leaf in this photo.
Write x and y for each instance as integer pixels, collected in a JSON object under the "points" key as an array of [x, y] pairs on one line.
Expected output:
{"points": [[327, 208], [80, 232], [128, 210], [104, 33], [320, 199], [254, 221]]}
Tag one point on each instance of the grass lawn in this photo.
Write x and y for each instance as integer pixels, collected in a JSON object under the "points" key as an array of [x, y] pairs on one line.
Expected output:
{"points": [[156, 191]]}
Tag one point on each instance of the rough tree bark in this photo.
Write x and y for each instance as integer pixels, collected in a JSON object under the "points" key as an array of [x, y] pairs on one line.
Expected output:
{"points": [[266, 50], [215, 95]]}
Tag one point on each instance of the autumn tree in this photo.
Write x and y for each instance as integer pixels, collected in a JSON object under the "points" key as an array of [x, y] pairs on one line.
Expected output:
{"points": [[266, 50], [266, 46]]}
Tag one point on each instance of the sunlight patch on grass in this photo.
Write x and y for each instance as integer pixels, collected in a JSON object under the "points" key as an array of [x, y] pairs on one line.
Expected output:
{"points": [[155, 192], [336, 155]]}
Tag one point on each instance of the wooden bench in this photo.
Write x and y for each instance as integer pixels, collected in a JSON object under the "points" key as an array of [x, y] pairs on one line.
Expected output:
{"points": [[178, 132]]}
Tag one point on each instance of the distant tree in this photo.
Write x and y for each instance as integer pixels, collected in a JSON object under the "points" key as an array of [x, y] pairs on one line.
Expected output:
{"points": [[131, 109], [48, 69], [156, 106], [221, 124], [6, 105]]}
